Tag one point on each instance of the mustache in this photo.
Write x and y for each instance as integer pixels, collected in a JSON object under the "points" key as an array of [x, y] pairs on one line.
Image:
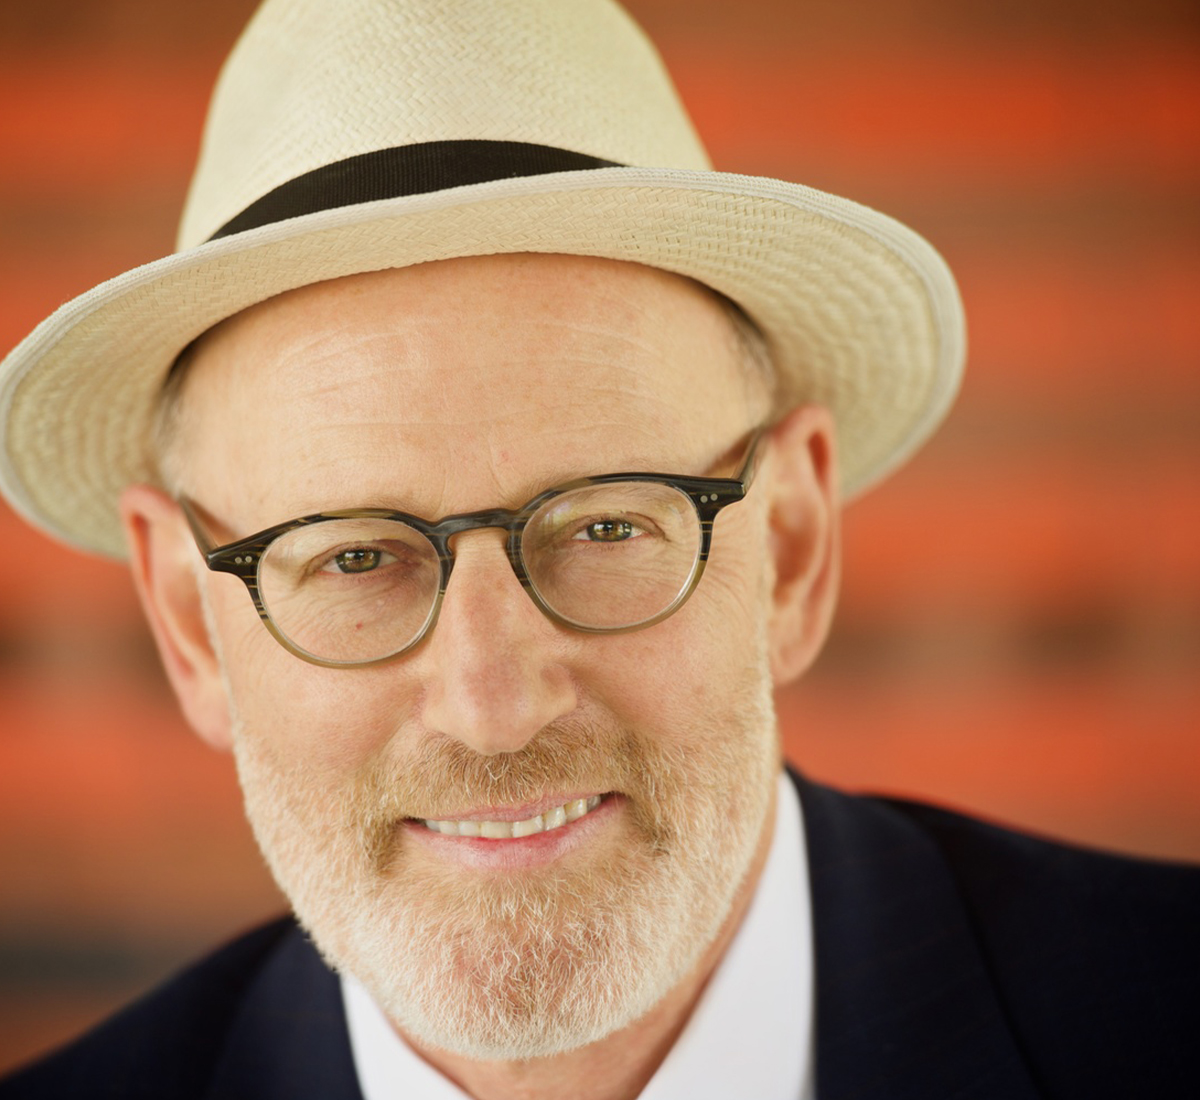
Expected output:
{"points": [[441, 776]]}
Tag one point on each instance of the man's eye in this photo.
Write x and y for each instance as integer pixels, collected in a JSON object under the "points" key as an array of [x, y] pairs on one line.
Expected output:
{"points": [[607, 530], [360, 559]]}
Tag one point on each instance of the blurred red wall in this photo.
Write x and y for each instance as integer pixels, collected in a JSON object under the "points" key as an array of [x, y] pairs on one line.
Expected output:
{"points": [[1020, 629]]}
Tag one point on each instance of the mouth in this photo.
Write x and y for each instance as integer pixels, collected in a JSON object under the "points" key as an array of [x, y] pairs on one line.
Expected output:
{"points": [[548, 820]]}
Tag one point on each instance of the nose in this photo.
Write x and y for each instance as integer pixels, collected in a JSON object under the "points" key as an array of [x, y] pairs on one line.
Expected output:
{"points": [[492, 664]]}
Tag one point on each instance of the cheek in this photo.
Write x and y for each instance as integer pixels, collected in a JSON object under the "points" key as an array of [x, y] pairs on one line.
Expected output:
{"points": [[728, 613], [331, 720], [692, 672]]}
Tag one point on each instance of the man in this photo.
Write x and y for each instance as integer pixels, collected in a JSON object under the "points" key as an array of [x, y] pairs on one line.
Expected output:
{"points": [[478, 458]]}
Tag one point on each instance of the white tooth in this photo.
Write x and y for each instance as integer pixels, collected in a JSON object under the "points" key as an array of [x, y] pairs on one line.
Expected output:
{"points": [[575, 810], [527, 828], [504, 830]]}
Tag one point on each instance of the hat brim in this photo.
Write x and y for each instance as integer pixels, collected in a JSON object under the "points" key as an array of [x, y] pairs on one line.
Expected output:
{"points": [[861, 314]]}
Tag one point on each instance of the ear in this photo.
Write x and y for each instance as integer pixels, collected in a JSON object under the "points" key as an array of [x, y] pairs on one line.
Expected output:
{"points": [[161, 551], [805, 538]]}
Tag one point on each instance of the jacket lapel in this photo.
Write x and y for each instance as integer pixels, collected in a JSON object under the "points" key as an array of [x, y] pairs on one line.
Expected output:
{"points": [[905, 1008], [289, 1039]]}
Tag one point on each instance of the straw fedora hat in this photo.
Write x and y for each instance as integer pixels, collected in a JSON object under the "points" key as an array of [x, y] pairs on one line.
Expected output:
{"points": [[354, 135]]}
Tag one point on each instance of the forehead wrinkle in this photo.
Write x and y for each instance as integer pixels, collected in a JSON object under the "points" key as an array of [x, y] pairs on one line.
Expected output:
{"points": [[483, 385], [337, 457], [384, 354], [539, 404], [364, 364], [643, 355], [305, 344], [482, 470], [400, 376]]}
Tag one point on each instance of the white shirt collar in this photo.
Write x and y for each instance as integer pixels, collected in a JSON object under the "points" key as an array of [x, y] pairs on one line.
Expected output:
{"points": [[751, 1033]]}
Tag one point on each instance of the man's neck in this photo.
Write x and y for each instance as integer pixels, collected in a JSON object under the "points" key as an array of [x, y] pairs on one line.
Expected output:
{"points": [[619, 1066]]}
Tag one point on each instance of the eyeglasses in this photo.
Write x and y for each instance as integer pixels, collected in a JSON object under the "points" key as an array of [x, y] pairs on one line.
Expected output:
{"points": [[599, 554]]}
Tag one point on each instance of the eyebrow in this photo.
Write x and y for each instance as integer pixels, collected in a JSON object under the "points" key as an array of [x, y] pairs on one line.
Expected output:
{"points": [[538, 485], [221, 535]]}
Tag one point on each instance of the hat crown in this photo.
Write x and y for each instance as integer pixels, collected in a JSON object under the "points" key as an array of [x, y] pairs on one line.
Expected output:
{"points": [[314, 82]]}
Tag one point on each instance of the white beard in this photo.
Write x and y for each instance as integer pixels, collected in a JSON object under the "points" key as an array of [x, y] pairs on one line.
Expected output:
{"points": [[527, 965]]}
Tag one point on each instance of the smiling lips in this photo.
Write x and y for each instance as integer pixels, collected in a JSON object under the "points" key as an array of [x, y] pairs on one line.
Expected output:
{"points": [[554, 818]]}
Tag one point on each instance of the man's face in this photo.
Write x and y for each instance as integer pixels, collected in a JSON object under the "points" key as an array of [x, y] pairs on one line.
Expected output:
{"points": [[453, 387]]}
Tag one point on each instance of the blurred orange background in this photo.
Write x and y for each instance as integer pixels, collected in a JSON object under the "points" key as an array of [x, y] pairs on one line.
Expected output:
{"points": [[1020, 627]]}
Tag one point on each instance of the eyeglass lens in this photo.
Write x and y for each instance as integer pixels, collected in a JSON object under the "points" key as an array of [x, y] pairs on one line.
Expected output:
{"points": [[603, 557]]}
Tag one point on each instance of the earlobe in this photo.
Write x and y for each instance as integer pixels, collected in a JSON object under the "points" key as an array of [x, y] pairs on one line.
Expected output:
{"points": [[161, 551], [805, 539]]}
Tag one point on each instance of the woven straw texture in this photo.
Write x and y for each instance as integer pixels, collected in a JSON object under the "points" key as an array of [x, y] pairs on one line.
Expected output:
{"points": [[860, 312]]}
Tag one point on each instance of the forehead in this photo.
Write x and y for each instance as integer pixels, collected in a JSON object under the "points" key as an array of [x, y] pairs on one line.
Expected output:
{"points": [[461, 384]]}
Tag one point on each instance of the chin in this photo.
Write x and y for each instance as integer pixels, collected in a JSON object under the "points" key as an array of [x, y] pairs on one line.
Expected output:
{"points": [[531, 964]]}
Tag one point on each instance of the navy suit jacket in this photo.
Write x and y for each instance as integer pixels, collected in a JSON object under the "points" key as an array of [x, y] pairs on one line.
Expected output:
{"points": [[954, 961]]}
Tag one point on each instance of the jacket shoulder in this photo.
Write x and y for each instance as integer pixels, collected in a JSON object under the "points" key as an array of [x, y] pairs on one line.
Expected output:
{"points": [[1095, 956], [164, 1045]]}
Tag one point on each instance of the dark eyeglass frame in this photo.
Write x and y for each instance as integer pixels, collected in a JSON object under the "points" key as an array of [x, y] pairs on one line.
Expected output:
{"points": [[708, 495]]}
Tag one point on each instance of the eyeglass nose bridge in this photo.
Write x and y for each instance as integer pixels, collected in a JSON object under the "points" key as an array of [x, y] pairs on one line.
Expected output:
{"points": [[511, 522]]}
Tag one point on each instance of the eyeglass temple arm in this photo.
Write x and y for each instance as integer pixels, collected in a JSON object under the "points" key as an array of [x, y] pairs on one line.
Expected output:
{"points": [[755, 452], [203, 540]]}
